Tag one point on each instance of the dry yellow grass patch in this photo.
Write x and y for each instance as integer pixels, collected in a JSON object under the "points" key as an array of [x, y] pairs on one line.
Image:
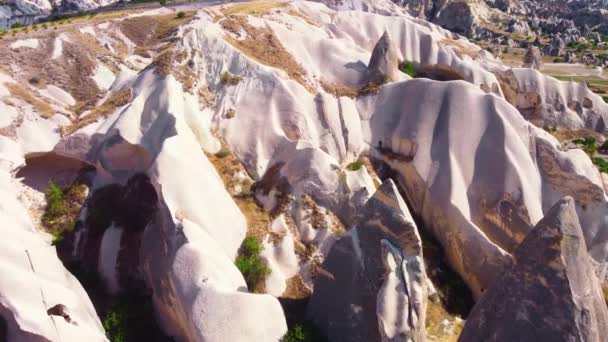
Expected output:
{"points": [[435, 315], [149, 31], [228, 166], [296, 289], [460, 49], [257, 8], [43, 108], [339, 90], [564, 134], [263, 46], [115, 100], [296, 13]]}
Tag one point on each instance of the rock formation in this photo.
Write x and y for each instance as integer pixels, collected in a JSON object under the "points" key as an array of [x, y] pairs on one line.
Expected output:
{"points": [[533, 58], [268, 133], [549, 293], [384, 63], [375, 287]]}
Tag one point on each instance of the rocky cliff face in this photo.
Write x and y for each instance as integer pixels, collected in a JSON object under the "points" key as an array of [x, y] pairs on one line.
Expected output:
{"points": [[193, 131], [550, 292], [374, 285]]}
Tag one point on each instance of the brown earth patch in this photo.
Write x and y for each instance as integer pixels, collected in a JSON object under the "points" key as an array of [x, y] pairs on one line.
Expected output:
{"points": [[296, 13], [256, 8], [263, 46], [43, 108], [115, 100], [296, 289], [460, 49], [228, 167]]}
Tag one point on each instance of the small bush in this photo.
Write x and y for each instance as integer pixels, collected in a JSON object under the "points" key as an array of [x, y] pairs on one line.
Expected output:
{"points": [[16, 25], [408, 68], [557, 60], [62, 208], [601, 164], [162, 2], [222, 153], [355, 166], [250, 263], [588, 144], [297, 334], [303, 332], [180, 15]]}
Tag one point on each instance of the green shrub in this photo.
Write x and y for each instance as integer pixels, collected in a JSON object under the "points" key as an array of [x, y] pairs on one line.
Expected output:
{"points": [[601, 164], [131, 318], [115, 322], [355, 166], [180, 15], [222, 153], [557, 60], [408, 68], [589, 145], [297, 334], [62, 209], [303, 332], [250, 263], [16, 25]]}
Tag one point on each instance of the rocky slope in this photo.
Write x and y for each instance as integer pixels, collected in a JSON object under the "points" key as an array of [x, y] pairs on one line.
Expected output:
{"points": [[26, 12], [279, 122]]}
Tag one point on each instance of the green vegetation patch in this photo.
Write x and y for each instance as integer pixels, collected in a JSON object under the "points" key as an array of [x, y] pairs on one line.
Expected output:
{"points": [[588, 144], [250, 263], [62, 209], [303, 332], [130, 318], [602, 164], [408, 68], [355, 166]]}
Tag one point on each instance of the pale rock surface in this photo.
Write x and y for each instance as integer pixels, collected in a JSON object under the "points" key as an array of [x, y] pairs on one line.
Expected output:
{"points": [[373, 287], [384, 64], [35, 279], [549, 293]]}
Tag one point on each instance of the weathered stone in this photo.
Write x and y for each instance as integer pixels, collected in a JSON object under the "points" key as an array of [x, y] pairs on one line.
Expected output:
{"points": [[375, 287], [384, 64], [549, 293], [533, 58]]}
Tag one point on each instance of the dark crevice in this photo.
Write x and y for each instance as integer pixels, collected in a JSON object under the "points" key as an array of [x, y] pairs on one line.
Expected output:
{"points": [[455, 296]]}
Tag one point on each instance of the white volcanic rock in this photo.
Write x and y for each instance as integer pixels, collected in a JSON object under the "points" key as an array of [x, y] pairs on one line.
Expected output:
{"points": [[35, 280], [374, 284], [548, 102], [473, 169], [384, 64], [550, 292], [188, 248]]}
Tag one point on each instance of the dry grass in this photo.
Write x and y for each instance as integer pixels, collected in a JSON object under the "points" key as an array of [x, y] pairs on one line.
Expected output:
{"points": [[460, 49], [257, 8], [43, 108], [229, 79], [115, 100], [605, 291], [228, 166], [564, 134], [296, 289], [263, 46], [435, 315], [300, 15], [339, 90], [149, 31]]}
